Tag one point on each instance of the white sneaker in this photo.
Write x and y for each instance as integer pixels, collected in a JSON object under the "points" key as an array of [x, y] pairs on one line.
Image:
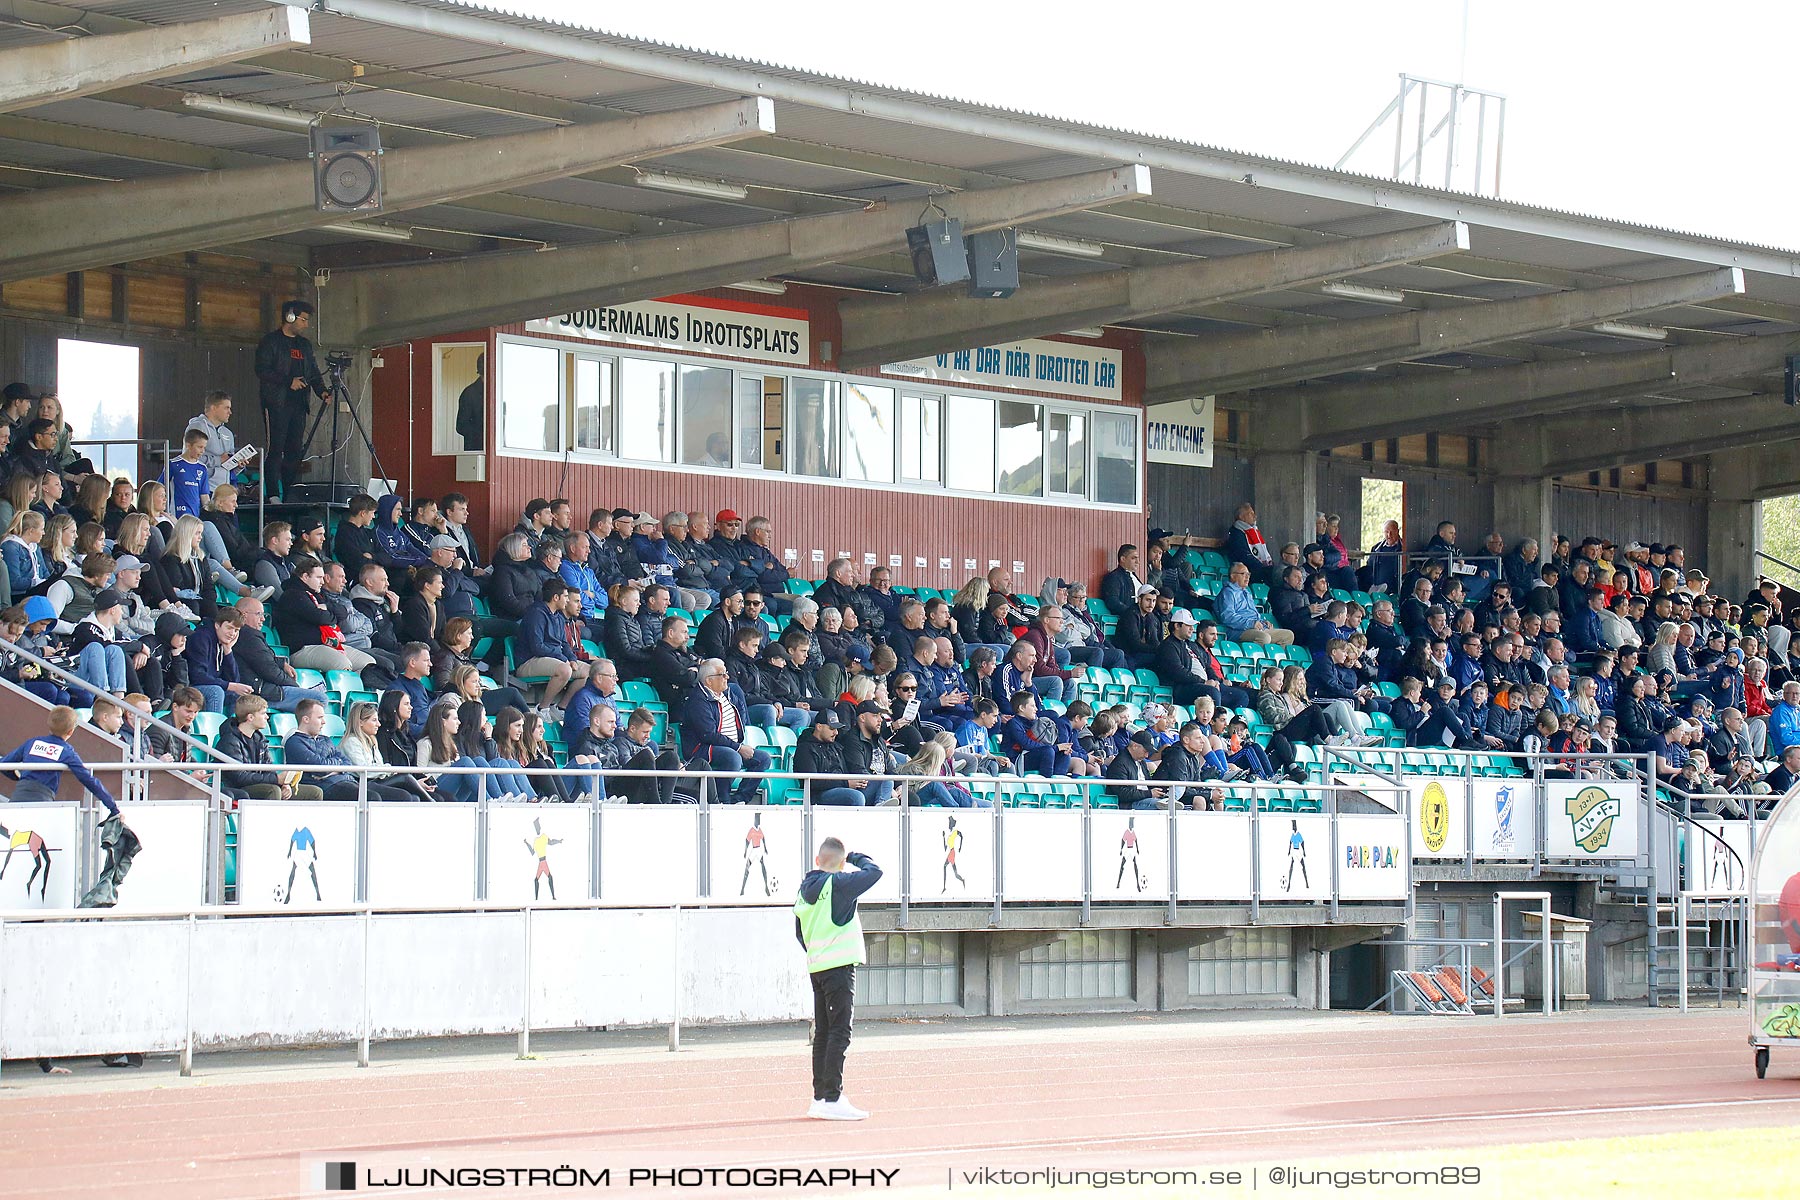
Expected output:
{"points": [[242, 576], [553, 716], [1336, 739], [837, 1110], [262, 593], [1369, 739]]}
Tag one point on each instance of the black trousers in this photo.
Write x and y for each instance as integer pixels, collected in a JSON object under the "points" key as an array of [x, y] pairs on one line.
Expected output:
{"points": [[287, 437], [833, 993]]}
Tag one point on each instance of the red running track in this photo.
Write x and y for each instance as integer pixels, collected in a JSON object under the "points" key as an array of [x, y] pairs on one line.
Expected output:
{"points": [[1144, 1091]]}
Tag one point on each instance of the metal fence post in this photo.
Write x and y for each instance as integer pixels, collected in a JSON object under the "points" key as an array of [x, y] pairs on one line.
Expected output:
{"points": [[1255, 863], [1173, 865], [906, 858], [187, 1020], [1468, 778], [525, 990], [362, 1045], [1499, 956], [1549, 961], [1681, 948], [999, 860], [1087, 853], [1337, 854], [675, 998]]}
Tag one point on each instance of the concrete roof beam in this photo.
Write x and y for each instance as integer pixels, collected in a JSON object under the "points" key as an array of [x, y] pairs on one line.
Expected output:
{"points": [[68, 229], [1615, 437], [1268, 358], [389, 304], [74, 67], [878, 331]]}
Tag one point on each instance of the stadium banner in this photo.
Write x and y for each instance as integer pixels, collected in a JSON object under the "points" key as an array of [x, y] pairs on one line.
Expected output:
{"points": [[1439, 806], [1505, 818], [42, 848], [1042, 854], [1591, 818], [170, 870], [1130, 855], [537, 853], [294, 855], [649, 854], [1061, 368], [1212, 856], [1717, 854], [757, 853], [1295, 854], [871, 831], [952, 854], [421, 853], [1180, 432], [1372, 863], [697, 324]]}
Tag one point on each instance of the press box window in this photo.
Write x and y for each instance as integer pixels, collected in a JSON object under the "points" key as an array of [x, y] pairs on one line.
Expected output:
{"points": [[868, 433], [969, 449], [1115, 458], [453, 371], [758, 421], [813, 443], [706, 416], [921, 449], [530, 397], [647, 409], [1068, 454], [1021, 443], [591, 394]]}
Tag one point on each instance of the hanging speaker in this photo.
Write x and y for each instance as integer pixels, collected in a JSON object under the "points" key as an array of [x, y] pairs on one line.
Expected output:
{"points": [[994, 264], [346, 168], [937, 252]]}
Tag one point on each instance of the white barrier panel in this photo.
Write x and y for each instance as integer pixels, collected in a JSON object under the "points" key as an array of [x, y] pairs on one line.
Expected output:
{"points": [[650, 854], [1131, 855], [112, 986], [1372, 861], [1505, 817], [952, 854], [537, 853], [1717, 854], [871, 831], [1042, 849], [421, 853], [1440, 816], [170, 870], [1213, 855], [38, 855], [294, 855], [758, 853], [1295, 857], [1592, 818]]}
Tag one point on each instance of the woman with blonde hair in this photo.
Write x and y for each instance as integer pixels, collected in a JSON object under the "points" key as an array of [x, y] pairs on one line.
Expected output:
{"points": [[1305, 721], [1662, 652], [941, 789], [59, 543], [21, 494], [183, 572], [27, 574]]}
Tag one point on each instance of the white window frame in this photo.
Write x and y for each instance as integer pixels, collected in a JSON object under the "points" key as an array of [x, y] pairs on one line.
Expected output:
{"points": [[609, 371], [497, 424], [444, 438], [739, 368], [901, 471]]}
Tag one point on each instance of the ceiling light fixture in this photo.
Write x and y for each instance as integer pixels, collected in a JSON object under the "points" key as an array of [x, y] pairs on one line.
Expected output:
{"points": [[1051, 243], [244, 110], [1625, 329], [712, 189], [1090, 331], [768, 287], [379, 233], [1357, 291]]}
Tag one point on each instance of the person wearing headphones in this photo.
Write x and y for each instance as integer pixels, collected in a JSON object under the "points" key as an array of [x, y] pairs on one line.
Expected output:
{"points": [[287, 378]]}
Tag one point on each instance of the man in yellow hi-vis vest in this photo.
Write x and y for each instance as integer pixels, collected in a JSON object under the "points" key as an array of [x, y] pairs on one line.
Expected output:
{"points": [[826, 923]]}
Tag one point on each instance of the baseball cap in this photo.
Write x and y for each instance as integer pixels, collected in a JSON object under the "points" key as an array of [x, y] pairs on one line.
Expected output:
{"points": [[1146, 739], [1153, 711], [1146, 589], [622, 512], [19, 391], [444, 541], [1673, 723], [830, 719], [1658, 548], [869, 706], [724, 515], [110, 598], [1158, 533], [1634, 547], [1058, 582], [647, 519], [306, 525], [1181, 616], [129, 562], [730, 590]]}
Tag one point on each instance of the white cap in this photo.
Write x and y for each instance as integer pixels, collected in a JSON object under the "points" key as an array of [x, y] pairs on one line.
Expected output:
{"points": [[1181, 616]]}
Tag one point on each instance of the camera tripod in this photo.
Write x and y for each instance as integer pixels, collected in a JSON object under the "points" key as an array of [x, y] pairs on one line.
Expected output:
{"points": [[337, 366]]}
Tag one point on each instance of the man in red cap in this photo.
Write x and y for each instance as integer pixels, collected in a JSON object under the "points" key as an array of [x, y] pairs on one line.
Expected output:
{"points": [[733, 551]]}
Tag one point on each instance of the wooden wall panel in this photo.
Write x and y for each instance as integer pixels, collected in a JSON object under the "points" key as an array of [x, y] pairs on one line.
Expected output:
{"points": [[47, 295], [1201, 501], [1622, 518]]}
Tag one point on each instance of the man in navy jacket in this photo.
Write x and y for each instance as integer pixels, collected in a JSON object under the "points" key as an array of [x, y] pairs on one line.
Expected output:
{"points": [[714, 732], [542, 648]]}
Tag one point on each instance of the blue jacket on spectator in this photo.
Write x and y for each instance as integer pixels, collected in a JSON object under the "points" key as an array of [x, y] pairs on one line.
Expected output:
{"points": [[1784, 727], [943, 680], [580, 576], [25, 564], [1464, 670], [209, 664], [1237, 609], [1582, 634], [542, 634], [699, 721], [421, 703], [1325, 680], [316, 750], [48, 748], [1009, 681], [393, 539]]}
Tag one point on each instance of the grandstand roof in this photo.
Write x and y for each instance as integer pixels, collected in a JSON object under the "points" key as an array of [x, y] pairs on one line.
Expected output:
{"points": [[436, 73]]}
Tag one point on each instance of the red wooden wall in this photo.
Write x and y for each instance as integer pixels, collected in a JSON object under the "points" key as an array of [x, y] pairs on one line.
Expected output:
{"points": [[1048, 539]]}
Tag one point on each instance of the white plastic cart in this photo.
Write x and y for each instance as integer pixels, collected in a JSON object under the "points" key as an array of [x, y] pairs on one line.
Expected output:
{"points": [[1775, 934]]}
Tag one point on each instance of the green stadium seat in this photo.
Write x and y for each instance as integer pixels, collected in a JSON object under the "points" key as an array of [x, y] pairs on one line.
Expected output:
{"points": [[280, 725], [308, 679], [207, 726], [639, 691]]}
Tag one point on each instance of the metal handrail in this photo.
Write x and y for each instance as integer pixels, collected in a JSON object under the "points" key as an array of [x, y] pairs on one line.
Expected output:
{"points": [[166, 444], [67, 677]]}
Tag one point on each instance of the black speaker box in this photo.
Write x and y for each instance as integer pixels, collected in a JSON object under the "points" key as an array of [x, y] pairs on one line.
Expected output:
{"points": [[937, 252], [347, 168], [994, 264]]}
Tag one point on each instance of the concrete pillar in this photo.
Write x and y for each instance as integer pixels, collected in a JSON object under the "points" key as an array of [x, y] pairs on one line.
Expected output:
{"points": [[1733, 536], [1285, 484], [1522, 510]]}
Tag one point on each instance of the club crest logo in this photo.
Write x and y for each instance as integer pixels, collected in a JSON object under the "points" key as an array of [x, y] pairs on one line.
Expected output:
{"points": [[1503, 818], [1434, 817], [1592, 813]]}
